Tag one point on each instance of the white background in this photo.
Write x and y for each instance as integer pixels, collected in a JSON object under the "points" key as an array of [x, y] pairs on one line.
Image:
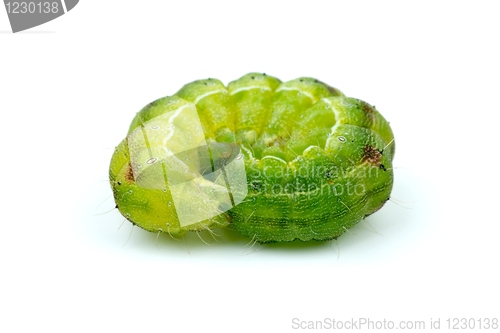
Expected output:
{"points": [[69, 88]]}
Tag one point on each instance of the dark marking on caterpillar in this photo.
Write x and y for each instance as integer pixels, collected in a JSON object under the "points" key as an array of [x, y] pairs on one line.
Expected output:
{"points": [[371, 155]]}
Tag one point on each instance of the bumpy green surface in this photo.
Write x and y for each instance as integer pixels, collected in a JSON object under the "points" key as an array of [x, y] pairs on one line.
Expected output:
{"points": [[316, 162]]}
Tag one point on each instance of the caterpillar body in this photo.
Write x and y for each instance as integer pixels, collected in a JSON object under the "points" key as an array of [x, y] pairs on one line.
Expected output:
{"points": [[279, 161]]}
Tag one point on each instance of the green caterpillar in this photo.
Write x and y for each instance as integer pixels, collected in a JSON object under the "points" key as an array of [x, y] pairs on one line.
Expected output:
{"points": [[279, 161]]}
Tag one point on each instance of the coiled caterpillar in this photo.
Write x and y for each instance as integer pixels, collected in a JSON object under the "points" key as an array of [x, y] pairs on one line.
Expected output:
{"points": [[279, 161]]}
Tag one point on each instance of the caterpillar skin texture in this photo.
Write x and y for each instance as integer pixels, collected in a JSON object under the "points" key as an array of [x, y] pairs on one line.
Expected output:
{"points": [[313, 161]]}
